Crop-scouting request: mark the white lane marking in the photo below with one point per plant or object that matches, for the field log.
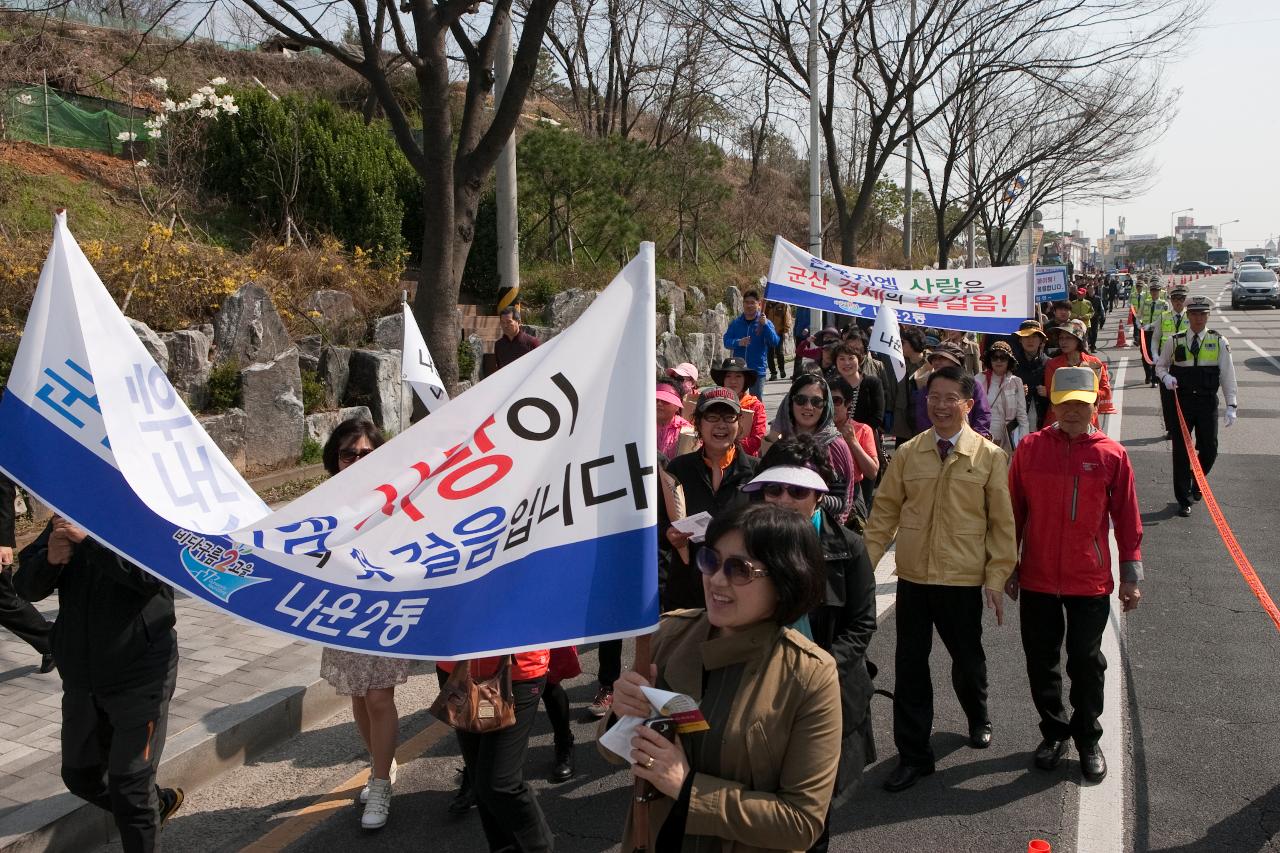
(1260, 351)
(1234, 330)
(885, 579)
(1102, 807)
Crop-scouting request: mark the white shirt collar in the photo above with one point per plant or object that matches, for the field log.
(955, 439)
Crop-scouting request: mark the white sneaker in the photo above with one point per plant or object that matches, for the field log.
(378, 808)
(364, 792)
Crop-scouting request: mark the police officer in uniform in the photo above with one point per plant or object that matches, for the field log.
(1194, 364)
(1150, 306)
(1169, 324)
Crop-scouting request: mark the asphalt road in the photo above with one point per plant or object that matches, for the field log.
(1192, 739)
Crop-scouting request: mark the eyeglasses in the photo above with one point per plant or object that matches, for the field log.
(726, 418)
(737, 570)
(949, 400)
(837, 401)
(350, 456)
(775, 490)
(802, 400)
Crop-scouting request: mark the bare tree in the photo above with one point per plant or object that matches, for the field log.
(454, 154)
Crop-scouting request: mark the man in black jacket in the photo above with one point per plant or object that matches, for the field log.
(16, 614)
(117, 652)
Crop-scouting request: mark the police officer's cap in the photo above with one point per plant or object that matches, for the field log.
(1200, 303)
(1177, 291)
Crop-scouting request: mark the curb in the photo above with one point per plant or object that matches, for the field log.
(224, 740)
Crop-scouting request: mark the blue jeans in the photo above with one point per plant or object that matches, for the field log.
(757, 389)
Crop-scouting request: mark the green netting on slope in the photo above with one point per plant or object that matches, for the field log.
(71, 121)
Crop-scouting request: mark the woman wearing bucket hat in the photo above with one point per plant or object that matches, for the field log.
(734, 375)
(1071, 342)
(1005, 394)
(1029, 348)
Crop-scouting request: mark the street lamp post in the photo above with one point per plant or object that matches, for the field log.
(1172, 229)
(1219, 229)
(815, 148)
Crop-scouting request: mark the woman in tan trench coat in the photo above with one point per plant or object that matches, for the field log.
(761, 778)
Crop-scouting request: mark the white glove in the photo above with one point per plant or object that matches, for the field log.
(1231, 415)
(1170, 381)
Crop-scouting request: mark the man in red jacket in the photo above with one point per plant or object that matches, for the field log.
(1069, 484)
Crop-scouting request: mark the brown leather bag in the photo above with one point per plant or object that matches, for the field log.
(474, 706)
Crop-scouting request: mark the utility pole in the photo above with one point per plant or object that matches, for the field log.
(508, 227)
(815, 147)
(911, 140)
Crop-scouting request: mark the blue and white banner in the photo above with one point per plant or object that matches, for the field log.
(987, 299)
(1051, 284)
(519, 517)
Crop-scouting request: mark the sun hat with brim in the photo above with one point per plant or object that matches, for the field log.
(1075, 329)
(1074, 383)
(788, 475)
(718, 397)
(1029, 328)
(949, 351)
(733, 365)
(668, 394)
(1000, 348)
(684, 370)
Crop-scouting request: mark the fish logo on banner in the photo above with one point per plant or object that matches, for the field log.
(418, 368)
(530, 500)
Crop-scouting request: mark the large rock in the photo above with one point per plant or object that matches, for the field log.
(568, 306)
(670, 351)
(320, 426)
(375, 382)
(335, 312)
(476, 345)
(273, 410)
(310, 346)
(695, 299)
(227, 431)
(673, 293)
(154, 345)
(248, 329)
(733, 296)
(189, 366)
(388, 332)
(333, 370)
(714, 321)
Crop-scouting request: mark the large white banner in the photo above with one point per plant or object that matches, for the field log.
(519, 516)
(418, 368)
(986, 299)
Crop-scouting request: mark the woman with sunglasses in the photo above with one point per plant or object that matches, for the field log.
(807, 410)
(761, 777)
(370, 680)
(1005, 394)
(794, 475)
(711, 477)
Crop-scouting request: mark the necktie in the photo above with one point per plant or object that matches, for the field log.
(944, 447)
(1195, 344)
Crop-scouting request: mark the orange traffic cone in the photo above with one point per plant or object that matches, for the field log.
(1039, 845)
(1121, 340)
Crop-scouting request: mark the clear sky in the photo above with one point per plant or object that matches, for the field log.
(1219, 154)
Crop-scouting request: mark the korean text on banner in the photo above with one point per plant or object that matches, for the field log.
(886, 338)
(521, 516)
(989, 299)
(418, 368)
(1051, 284)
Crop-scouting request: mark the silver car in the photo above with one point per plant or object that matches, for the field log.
(1255, 287)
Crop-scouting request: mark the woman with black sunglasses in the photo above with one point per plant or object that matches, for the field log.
(794, 475)
(761, 777)
(807, 410)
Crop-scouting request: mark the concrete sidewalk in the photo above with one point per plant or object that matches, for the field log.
(240, 690)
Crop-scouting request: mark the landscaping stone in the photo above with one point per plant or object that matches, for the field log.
(227, 431)
(273, 407)
(154, 345)
(388, 332)
(332, 371)
(335, 312)
(248, 330)
(189, 366)
(320, 426)
(567, 306)
(733, 296)
(375, 382)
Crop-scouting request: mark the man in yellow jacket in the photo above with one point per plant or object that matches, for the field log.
(945, 497)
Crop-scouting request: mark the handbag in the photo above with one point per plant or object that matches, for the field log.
(474, 706)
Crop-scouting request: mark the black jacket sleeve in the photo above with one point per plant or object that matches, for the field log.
(36, 579)
(117, 568)
(849, 647)
(7, 495)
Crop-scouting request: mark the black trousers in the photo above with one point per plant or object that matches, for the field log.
(509, 811)
(956, 612)
(777, 357)
(1201, 413)
(1167, 410)
(111, 745)
(20, 617)
(610, 653)
(1045, 621)
(556, 701)
(1149, 370)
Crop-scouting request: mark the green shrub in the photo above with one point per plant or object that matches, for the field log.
(8, 352)
(312, 392)
(224, 387)
(466, 360)
(312, 450)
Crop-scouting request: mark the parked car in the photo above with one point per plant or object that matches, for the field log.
(1255, 287)
(1193, 267)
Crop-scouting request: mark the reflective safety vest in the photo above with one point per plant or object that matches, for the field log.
(1151, 309)
(1197, 372)
(1170, 324)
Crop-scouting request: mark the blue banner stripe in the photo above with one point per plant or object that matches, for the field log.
(586, 591)
(942, 320)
